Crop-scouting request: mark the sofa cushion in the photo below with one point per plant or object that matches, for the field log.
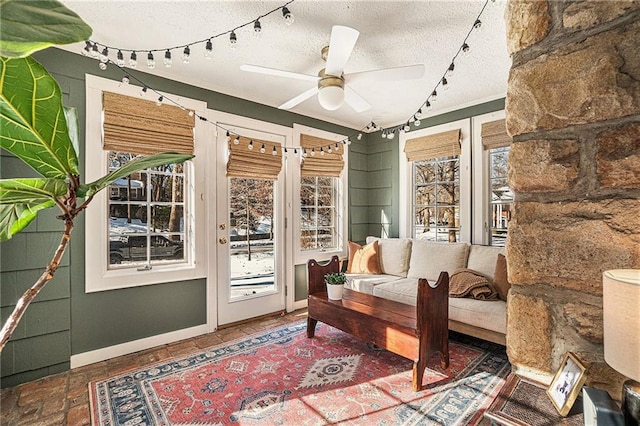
(394, 255)
(366, 283)
(429, 258)
(483, 259)
(487, 314)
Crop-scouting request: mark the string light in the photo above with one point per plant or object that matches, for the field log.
(465, 49)
(233, 39)
(104, 56)
(208, 50)
(321, 151)
(236, 141)
(120, 58)
(228, 136)
(250, 145)
(275, 151)
(125, 79)
(133, 60)
(450, 70)
(186, 54)
(151, 62)
(262, 149)
(257, 28)
(445, 83)
(143, 91)
(167, 59)
(477, 24)
(94, 51)
(287, 15)
(102, 65)
(313, 152)
(86, 51)
(159, 101)
(434, 96)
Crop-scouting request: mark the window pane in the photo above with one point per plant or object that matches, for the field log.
(501, 196)
(425, 195)
(424, 172)
(167, 188)
(127, 219)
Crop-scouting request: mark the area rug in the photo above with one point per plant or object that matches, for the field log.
(281, 377)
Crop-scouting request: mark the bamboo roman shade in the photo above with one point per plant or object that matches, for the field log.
(251, 163)
(328, 164)
(139, 126)
(445, 144)
(494, 135)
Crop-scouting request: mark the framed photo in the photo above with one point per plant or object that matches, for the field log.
(567, 383)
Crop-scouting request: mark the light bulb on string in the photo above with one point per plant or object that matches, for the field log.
(102, 65)
(186, 54)
(250, 146)
(418, 114)
(190, 113)
(348, 142)
(262, 149)
(434, 96)
(450, 70)
(391, 134)
(329, 149)
(125, 79)
(465, 49)
(104, 56)
(295, 151)
(383, 134)
(86, 51)
(228, 137)
(233, 40)
(321, 151)
(416, 122)
(257, 28)
(236, 140)
(143, 91)
(406, 127)
(208, 50)
(160, 99)
(445, 83)
(151, 62)
(94, 51)
(477, 25)
(313, 152)
(133, 60)
(338, 146)
(274, 151)
(287, 15)
(167, 59)
(120, 58)
(428, 106)
(359, 136)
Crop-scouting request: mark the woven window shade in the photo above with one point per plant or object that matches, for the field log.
(446, 144)
(494, 135)
(251, 163)
(329, 164)
(139, 126)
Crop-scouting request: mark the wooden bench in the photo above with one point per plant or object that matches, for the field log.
(414, 332)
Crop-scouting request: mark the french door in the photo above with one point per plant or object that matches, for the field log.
(249, 233)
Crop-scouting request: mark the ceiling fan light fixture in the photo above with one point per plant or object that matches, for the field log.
(331, 97)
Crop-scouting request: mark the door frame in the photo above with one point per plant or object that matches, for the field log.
(215, 117)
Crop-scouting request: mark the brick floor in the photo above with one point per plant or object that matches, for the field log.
(63, 399)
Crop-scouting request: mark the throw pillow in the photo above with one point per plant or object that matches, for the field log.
(500, 281)
(363, 259)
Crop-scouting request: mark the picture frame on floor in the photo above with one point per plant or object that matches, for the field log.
(567, 383)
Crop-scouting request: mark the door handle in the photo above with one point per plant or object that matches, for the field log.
(222, 240)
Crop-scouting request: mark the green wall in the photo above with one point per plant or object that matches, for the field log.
(64, 320)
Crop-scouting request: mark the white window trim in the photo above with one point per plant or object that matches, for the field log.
(302, 256)
(405, 173)
(481, 178)
(97, 276)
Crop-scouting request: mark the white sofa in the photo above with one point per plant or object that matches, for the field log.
(404, 260)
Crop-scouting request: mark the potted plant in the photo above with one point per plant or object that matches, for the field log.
(335, 285)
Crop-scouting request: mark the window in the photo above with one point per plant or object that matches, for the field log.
(436, 199)
(318, 213)
(320, 200)
(146, 215)
(140, 230)
(501, 196)
(435, 183)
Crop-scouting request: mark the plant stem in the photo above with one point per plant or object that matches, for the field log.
(28, 296)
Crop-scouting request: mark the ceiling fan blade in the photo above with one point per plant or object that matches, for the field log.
(343, 40)
(301, 97)
(411, 72)
(278, 73)
(354, 100)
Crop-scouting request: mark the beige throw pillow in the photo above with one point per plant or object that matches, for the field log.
(500, 281)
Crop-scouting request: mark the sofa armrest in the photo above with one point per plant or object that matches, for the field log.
(316, 273)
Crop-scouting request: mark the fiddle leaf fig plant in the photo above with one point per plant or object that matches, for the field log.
(34, 128)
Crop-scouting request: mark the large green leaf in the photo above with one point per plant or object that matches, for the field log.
(136, 165)
(28, 26)
(14, 191)
(32, 121)
(15, 217)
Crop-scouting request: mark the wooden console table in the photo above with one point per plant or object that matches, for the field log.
(414, 332)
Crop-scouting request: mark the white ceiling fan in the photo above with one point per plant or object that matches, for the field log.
(332, 85)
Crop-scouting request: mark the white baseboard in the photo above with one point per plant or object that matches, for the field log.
(102, 354)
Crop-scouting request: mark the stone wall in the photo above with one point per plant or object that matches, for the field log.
(573, 110)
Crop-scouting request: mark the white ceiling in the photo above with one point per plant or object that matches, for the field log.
(392, 34)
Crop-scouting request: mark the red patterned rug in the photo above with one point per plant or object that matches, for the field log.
(281, 377)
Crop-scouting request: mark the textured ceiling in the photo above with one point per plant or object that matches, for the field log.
(392, 34)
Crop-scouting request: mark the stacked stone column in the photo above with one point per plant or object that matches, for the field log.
(573, 110)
